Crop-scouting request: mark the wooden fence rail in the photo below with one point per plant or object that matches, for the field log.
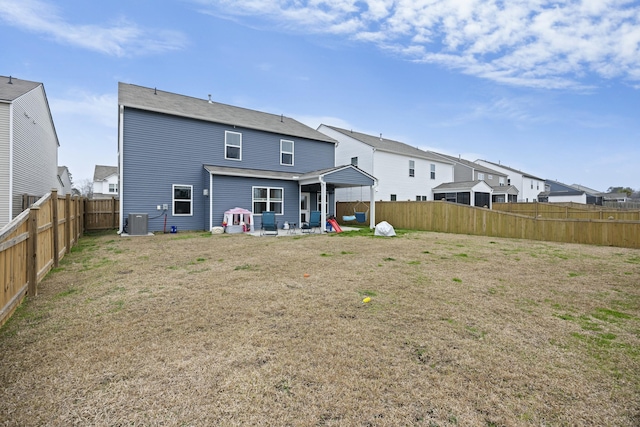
(101, 214)
(455, 218)
(567, 211)
(33, 243)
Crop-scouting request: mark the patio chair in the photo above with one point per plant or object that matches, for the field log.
(269, 225)
(313, 224)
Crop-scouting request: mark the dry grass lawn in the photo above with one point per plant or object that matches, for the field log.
(194, 329)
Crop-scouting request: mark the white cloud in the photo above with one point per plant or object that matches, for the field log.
(97, 109)
(536, 43)
(121, 38)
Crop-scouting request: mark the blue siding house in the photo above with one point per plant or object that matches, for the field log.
(184, 161)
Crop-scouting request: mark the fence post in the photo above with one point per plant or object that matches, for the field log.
(82, 210)
(32, 252)
(67, 223)
(76, 221)
(56, 232)
(113, 212)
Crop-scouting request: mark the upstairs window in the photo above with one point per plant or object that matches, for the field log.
(354, 161)
(480, 176)
(490, 177)
(232, 145)
(268, 199)
(113, 188)
(286, 152)
(433, 171)
(182, 200)
(412, 168)
(501, 180)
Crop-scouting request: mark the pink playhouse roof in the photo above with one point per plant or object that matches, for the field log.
(238, 211)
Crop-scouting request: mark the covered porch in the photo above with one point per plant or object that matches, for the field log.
(227, 187)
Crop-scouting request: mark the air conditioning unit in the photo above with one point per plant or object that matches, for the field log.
(138, 224)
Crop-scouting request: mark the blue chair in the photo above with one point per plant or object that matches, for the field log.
(269, 225)
(313, 224)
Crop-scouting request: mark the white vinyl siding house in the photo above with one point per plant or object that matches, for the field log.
(64, 181)
(28, 145)
(403, 172)
(105, 182)
(529, 186)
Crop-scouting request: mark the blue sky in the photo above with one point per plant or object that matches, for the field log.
(548, 87)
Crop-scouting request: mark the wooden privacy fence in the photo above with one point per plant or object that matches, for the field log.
(33, 243)
(449, 217)
(101, 214)
(566, 211)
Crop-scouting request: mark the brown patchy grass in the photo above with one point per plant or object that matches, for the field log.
(194, 329)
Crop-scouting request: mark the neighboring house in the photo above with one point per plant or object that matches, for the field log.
(64, 181)
(105, 182)
(28, 145)
(594, 197)
(557, 192)
(615, 197)
(467, 171)
(403, 172)
(472, 193)
(188, 160)
(529, 186)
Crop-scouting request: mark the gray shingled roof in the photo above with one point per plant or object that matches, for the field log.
(10, 91)
(468, 163)
(180, 105)
(585, 189)
(514, 170)
(506, 189)
(103, 172)
(460, 185)
(388, 145)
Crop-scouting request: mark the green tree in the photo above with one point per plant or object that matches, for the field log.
(628, 190)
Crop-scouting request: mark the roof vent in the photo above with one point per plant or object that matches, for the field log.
(210, 102)
(380, 137)
(155, 91)
(10, 82)
(281, 117)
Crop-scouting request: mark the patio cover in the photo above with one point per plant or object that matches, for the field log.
(338, 176)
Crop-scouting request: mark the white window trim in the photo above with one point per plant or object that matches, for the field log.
(432, 170)
(286, 152)
(253, 200)
(173, 200)
(480, 176)
(412, 168)
(227, 132)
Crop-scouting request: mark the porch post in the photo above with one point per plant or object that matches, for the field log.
(372, 207)
(323, 208)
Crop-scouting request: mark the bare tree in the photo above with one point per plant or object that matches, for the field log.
(85, 187)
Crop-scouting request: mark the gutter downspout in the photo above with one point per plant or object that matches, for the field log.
(10, 217)
(211, 201)
(120, 163)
